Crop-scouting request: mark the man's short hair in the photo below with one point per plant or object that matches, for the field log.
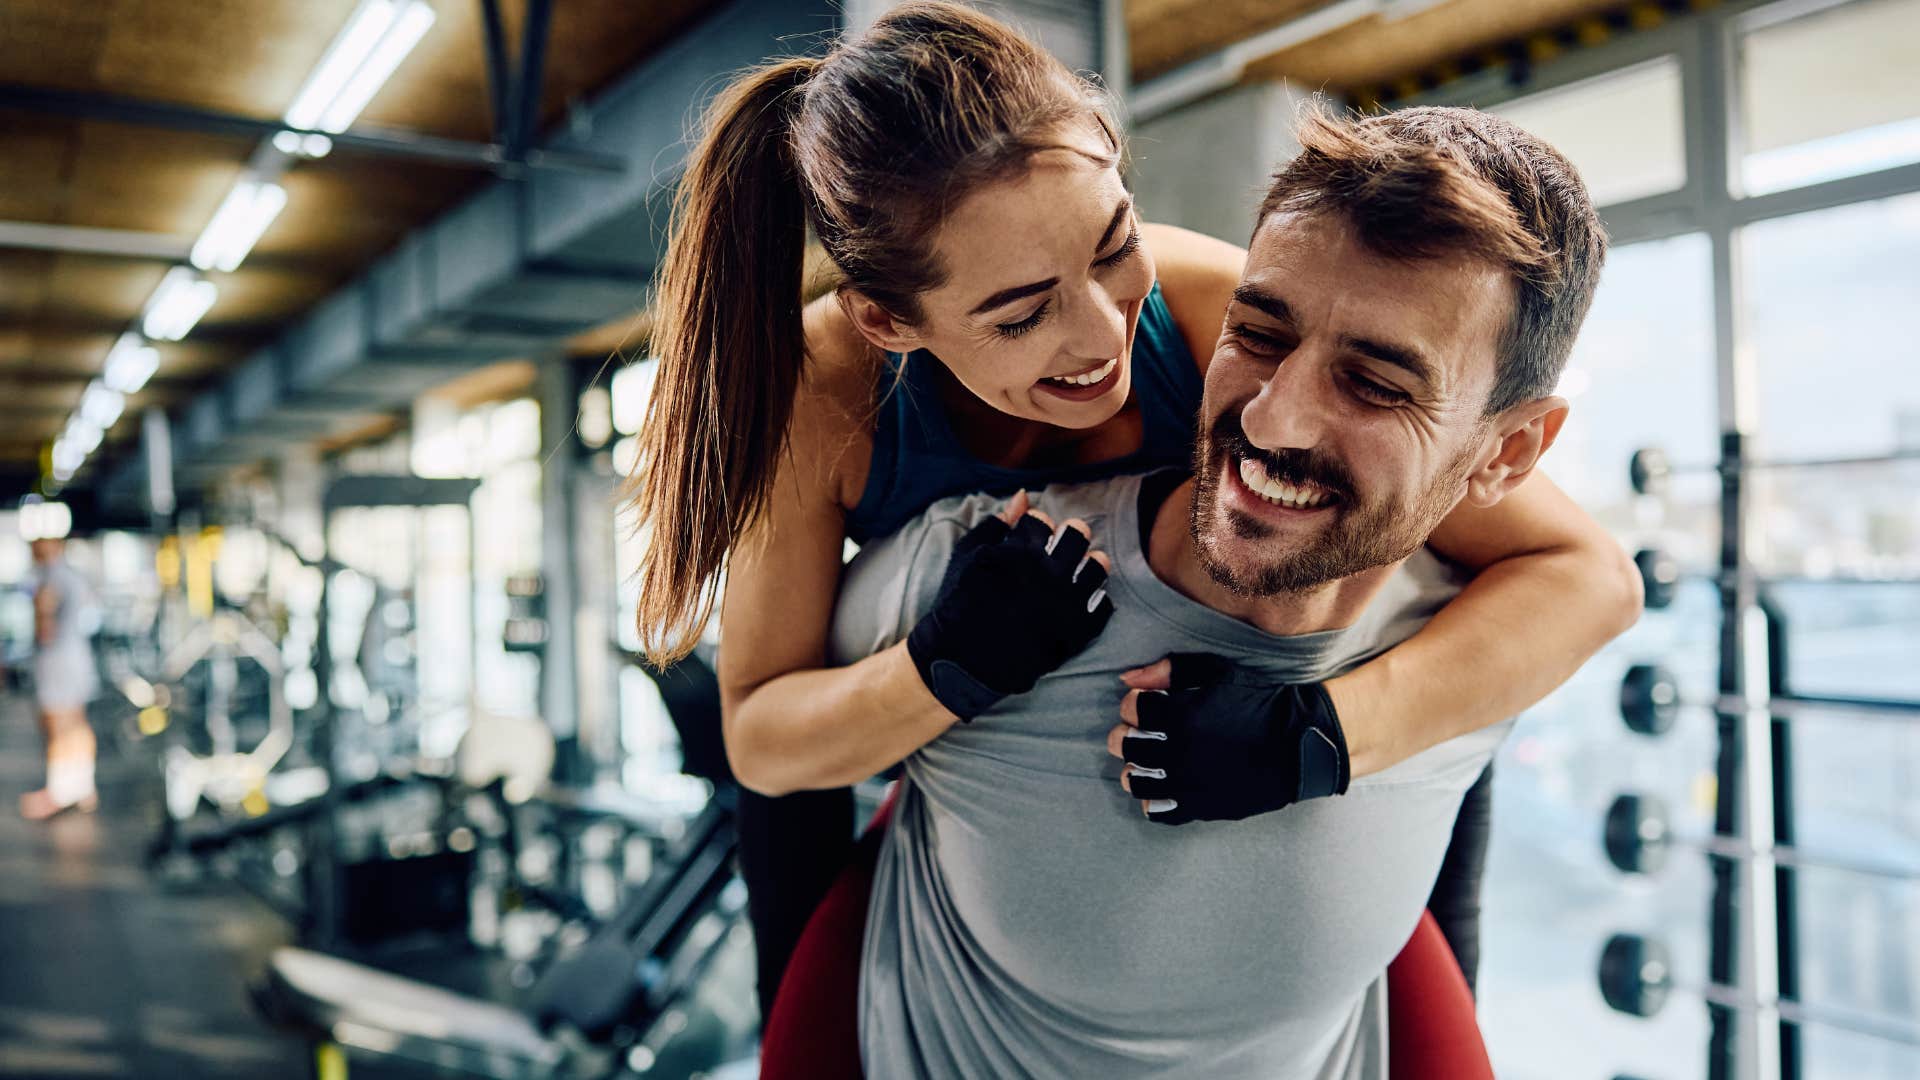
(1429, 182)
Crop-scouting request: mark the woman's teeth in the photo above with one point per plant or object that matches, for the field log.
(1088, 379)
(1254, 475)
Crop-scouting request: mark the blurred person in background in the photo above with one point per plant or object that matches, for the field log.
(64, 682)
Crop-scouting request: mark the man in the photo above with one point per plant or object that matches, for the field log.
(1410, 298)
(64, 682)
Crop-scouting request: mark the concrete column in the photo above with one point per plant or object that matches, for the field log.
(559, 674)
(1206, 167)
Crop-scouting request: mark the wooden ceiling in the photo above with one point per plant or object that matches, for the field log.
(59, 313)
(1164, 34)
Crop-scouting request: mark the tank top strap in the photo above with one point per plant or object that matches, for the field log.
(918, 459)
(1166, 380)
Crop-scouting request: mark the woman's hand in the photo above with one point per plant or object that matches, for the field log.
(1019, 598)
(1203, 742)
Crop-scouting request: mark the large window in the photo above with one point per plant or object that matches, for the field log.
(1828, 90)
(1621, 130)
(1814, 283)
(1642, 375)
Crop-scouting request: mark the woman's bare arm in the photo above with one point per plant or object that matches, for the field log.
(1551, 588)
(791, 723)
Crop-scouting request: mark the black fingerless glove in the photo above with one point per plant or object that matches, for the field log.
(1016, 603)
(1223, 747)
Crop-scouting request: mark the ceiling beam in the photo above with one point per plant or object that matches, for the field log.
(81, 240)
(378, 140)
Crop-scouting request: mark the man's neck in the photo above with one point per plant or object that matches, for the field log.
(1171, 555)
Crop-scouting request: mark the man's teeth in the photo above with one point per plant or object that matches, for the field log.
(1096, 375)
(1254, 475)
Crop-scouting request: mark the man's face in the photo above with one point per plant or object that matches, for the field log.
(1343, 406)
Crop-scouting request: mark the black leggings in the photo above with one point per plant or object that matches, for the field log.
(792, 848)
(1455, 902)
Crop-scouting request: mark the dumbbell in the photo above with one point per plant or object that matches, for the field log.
(1650, 471)
(1649, 699)
(1659, 577)
(1636, 978)
(1639, 836)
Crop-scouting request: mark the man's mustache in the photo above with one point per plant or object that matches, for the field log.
(1296, 467)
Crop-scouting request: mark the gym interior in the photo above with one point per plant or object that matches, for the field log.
(326, 358)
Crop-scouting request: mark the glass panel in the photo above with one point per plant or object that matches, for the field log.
(1831, 1054)
(1860, 952)
(1827, 312)
(1642, 374)
(1829, 94)
(1851, 640)
(1623, 130)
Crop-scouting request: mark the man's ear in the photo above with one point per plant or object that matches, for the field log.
(1521, 435)
(879, 326)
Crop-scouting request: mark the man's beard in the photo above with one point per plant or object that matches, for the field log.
(1361, 536)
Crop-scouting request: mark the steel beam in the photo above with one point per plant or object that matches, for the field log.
(392, 142)
(531, 76)
(80, 240)
(499, 75)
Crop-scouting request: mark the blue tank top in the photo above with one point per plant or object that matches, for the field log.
(917, 459)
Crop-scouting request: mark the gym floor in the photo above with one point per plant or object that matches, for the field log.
(104, 970)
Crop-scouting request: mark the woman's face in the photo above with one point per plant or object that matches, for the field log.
(1045, 275)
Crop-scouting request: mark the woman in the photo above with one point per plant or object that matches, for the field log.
(1003, 321)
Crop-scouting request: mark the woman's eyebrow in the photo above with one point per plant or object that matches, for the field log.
(1119, 215)
(1033, 288)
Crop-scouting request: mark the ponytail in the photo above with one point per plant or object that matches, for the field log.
(731, 345)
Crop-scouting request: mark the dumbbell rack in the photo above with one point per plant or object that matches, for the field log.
(1753, 992)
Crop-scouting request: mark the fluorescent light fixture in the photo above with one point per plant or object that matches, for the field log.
(177, 305)
(287, 143)
(67, 457)
(377, 37)
(130, 363)
(316, 146)
(245, 213)
(83, 435)
(101, 405)
(412, 25)
(45, 521)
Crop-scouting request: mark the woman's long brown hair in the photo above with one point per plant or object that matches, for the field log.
(868, 144)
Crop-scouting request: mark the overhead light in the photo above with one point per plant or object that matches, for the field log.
(67, 458)
(130, 364)
(316, 146)
(100, 405)
(183, 297)
(286, 142)
(245, 214)
(83, 435)
(45, 521)
(377, 37)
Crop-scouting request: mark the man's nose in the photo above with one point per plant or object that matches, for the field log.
(1290, 411)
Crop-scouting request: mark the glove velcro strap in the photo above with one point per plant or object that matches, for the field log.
(1322, 746)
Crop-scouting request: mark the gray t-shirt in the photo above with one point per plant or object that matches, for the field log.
(1026, 920)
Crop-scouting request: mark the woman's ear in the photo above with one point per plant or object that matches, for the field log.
(878, 325)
